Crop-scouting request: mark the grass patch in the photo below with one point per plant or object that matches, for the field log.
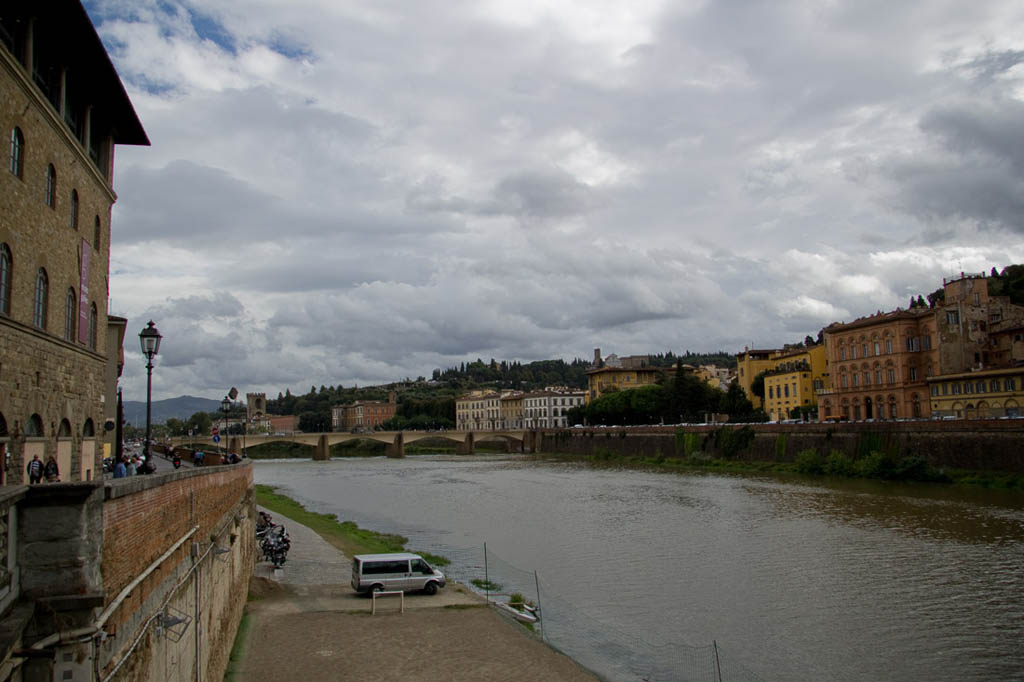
(345, 535)
(235, 657)
(486, 585)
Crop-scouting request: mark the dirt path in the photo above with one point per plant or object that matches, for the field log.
(307, 624)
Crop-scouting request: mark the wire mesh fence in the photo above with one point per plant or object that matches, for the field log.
(606, 649)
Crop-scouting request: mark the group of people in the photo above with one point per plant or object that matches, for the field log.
(37, 470)
(133, 465)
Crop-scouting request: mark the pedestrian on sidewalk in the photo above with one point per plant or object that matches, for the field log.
(35, 470)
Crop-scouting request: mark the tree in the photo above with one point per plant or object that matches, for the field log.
(757, 385)
(200, 423)
(176, 427)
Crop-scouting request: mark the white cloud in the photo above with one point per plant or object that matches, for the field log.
(355, 192)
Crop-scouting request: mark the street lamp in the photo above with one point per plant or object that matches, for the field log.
(149, 339)
(225, 405)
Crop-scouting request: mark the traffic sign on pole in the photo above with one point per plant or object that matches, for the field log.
(214, 431)
(216, 438)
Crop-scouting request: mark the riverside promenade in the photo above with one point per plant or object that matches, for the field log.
(306, 623)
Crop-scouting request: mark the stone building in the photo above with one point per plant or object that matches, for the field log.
(62, 110)
(549, 409)
(363, 414)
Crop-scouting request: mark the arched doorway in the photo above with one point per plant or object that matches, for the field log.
(868, 405)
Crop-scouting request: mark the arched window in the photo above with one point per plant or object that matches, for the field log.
(3, 426)
(42, 294)
(74, 209)
(34, 426)
(88, 429)
(70, 316)
(5, 279)
(92, 326)
(65, 429)
(96, 234)
(51, 186)
(17, 152)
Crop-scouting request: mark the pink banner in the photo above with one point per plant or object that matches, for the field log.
(83, 295)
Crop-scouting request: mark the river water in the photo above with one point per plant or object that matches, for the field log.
(640, 571)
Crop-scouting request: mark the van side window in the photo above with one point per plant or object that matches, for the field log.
(384, 567)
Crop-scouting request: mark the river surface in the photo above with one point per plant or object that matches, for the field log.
(640, 571)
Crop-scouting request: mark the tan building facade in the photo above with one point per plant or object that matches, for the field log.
(988, 394)
(880, 366)
(62, 110)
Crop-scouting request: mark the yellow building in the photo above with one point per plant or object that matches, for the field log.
(511, 411)
(986, 394)
(604, 380)
(749, 364)
(797, 376)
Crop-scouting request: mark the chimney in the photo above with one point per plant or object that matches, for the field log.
(597, 357)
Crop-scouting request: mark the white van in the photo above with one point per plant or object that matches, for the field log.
(406, 572)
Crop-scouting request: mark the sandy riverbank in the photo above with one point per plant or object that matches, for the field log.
(307, 624)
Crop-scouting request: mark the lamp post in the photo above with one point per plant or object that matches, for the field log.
(149, 339)
(226, 405)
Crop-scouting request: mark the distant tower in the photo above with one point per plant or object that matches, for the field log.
(255, 406)
(597, 357)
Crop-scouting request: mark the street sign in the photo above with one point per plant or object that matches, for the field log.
(214, 431)
(216, 438)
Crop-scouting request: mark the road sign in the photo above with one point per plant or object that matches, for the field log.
(214, 431)
(216, 438)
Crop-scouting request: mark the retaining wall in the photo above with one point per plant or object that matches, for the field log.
(992, 445)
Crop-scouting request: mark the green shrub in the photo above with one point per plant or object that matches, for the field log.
(876, 465)
(487, 585)
(780, 447)
(838, 464)
(809, 462)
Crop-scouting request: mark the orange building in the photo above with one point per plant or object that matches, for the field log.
(880, 366)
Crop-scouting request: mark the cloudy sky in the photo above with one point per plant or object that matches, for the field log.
(346, 192)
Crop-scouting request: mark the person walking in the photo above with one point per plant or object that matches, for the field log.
(51, 471)
(35, 470)
(120, 470)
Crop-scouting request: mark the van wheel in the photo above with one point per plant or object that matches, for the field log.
(430, 588)
(377, 588)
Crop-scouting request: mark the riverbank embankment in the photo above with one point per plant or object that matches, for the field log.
(307, 623)
(978, 445)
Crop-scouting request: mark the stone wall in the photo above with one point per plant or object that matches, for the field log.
(44, 373)
(993, 445)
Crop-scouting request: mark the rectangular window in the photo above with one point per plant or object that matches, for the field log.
(888, 346)
(913, 373)
(980, 386)
(843, 381)
(856, 380)
(967, 387)
(892, 375)
(853, 352)
(842, 352)
(878, 376)
(926, 342)
(786, 388)
(952, 317)
(878, 348)
(935, 389)
(867, 378)
(994, 386)
(771, 392)
(865, 348)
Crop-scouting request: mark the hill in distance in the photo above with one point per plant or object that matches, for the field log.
(181, 407)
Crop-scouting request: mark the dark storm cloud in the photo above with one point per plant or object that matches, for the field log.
(976, 172)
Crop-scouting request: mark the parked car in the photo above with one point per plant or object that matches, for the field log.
(394, 572)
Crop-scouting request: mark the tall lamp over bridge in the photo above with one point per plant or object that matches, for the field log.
(226, 405)
(149, 339)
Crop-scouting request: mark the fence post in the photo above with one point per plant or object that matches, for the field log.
(718, 666)
(540, 611)
(487, 577)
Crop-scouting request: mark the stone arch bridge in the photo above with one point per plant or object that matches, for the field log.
(465, 441)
